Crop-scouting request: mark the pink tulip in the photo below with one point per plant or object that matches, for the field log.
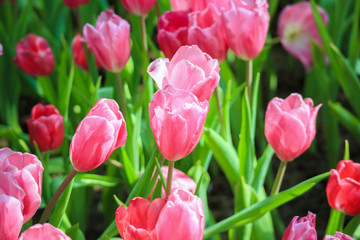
(221, 5)
(246, 25)
(190, 69)
(206, 31)
(290, 125)
(109, 41)
(46, 127)
(177, 119)
(343, 187)
(1, 49)
(138, 7)
(338, 236)
(297, 29)
(181, 5)
(11, 218)
(172, 31)
(45, 231)
(79, 52)
(34, 56)
(179, 217)
(302, 229)
(101, 131)
(75, 3)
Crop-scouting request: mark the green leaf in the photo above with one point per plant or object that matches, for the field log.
(335, 223)
(354, 44)
(75, 233)
(47, 89)
(352, 225)
(85, 180)
(262, 168)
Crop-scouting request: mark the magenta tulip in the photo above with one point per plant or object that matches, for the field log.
(179, 217)
(101, 131)
(290, 125)
(34, 56)
(1, 49)
(109, 41)
(338, 236)
(190, 69)
(46, 127)
(45, 231)
(302, 229)
(138, 7)
(75, 3)
(11, 218)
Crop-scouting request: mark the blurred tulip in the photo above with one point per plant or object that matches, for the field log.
(338, 236)
(138, 7)
(290, 125)
(78, 51)
(11, 218)
(181, 5)
(199, 5)
(75, 3)
(206, 31)
(177, 119)
(297, 29)
(109, 41)
(46, 127)
(34, 56)
(172, 31)
(246, 25)
(302, 229)
(101, 131)
(1, 49)
(343, 188)
(190, 69)
(45, 231)
(179, 217)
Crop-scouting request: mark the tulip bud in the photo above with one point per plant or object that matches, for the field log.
(304, 228)
(79, 52)
(101, 131)
(138, 7)
(109, 41)
(177, 119)
(343, 187)
(75, 3)
(172, 31)
(290, 125)
(338, 236)
(46, 127)
(11, 218)
(297, 29)
(45, 231)
(190, 69)
(34, 56)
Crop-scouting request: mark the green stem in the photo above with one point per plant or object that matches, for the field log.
(157, 9)
(279, 177)
(56, 196)
(169, 178)
(220, 112)
(123, 107)
(143, 33)
(249, 70)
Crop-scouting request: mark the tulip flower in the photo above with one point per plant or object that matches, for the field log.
(290, 125)
(45, 231)
(138, 7)
(1, 49)
(246, 25)
(297, 29)
(343, 187)
(75, 3)
(172, 31)
(181, 5)
(101, 131)
(177, 119)
(109, 41)
(79, 52)
(302, 229)
(338, 236)
(206, 31)
(179, 217)
(190, 69)
(11, 218)
(34, 56)
(46, 127)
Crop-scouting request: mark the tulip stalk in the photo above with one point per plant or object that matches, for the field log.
(121, 92)
(169, 178)
(279, 177)
(249, 73)
(220, 111)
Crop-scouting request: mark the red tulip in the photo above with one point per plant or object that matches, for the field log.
(34, 56)
(79, 52)
(172, 31)
(75, 3)
(11, 218)
(343, 187)
(190, 69)
(45, 231)
(290, 125)
(46, 127)
(179, 217)
(338, 236)
(101, 131)
(302, 229)
(138, 7)
(297, 29)
(109, 41)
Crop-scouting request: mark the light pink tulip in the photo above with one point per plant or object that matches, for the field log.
(297, 28)
(246, 25)
(206, 31)
(181, 5)
(1, 49)
(109, 41)
(338, 236)
(11, 218)
(138, 7)
(101, 131)
(45, 231)
(290, 125)
(190, 69)
(75, 3)
(179, 217)
(199, 5)
(302, 229)
(177, 119)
